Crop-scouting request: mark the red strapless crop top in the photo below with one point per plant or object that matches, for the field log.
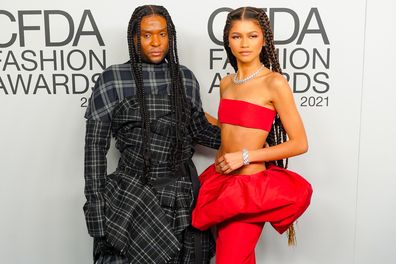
(242, 113)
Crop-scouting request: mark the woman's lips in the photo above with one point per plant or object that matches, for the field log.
(245, 53)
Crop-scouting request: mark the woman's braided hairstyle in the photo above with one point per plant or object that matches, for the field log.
(269, 58)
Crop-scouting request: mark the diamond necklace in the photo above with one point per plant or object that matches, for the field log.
(251, 76)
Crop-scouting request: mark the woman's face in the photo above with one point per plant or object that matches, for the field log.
(246, 40)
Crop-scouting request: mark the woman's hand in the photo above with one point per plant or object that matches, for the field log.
(229, 162)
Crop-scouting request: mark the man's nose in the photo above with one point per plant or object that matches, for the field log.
(155, 41)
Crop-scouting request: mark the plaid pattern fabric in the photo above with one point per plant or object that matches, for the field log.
(135, 221)
(97, 143)
(112, 259)
(187, 255)
(146, 225)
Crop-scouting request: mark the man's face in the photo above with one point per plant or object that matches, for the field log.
(154, 38)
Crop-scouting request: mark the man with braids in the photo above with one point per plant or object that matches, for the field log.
(249, 185)
(141, 213)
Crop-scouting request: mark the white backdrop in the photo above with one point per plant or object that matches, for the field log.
(340, 60)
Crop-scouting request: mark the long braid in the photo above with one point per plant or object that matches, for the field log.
(136, 65)
(230, 56)
(180, 101)
(179, 106)
(269, 58)
(277, 132)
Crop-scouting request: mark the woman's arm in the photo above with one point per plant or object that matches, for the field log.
(225, 82)
(283, 101)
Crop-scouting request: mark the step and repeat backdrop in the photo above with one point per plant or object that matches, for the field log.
(337, 57)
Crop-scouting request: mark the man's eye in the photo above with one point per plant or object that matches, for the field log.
(235, 37)
(146, 35)
(163, 34)
(253, 36)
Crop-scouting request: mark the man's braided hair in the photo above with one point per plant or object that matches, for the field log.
(180, 107)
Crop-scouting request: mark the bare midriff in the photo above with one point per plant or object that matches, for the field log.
(235, 138)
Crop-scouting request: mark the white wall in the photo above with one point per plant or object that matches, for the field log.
(349, 162)
(375, 219)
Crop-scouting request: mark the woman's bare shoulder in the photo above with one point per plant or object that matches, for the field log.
(275, 79)
(276, 82)
(225, 82)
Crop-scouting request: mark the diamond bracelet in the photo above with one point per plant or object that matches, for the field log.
(245, 156)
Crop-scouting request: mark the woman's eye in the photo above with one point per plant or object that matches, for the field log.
(235, 37)
(146, 35)
(253, 36)
(163, 34)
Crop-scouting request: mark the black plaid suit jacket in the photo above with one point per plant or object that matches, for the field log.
(145, 224)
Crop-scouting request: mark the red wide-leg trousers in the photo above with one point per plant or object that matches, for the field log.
(236, 242)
